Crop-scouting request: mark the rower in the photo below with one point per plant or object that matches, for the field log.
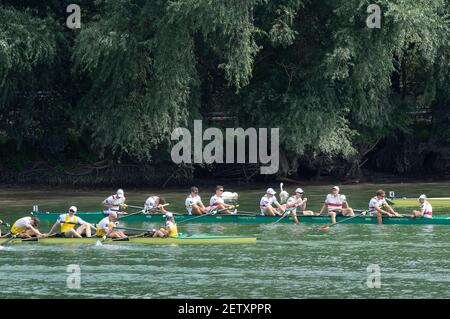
(153, 203)
(26, 227)
(297, 202)
(106, 227)
(377, 203)
(217, 202)
(194, 204)
(115, 203)
(337, 205)
(68, 221)
(267, 203)
(426, 210)
(171, 229)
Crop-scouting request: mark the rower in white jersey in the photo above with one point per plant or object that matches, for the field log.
(115, 203)
(216, 203)
(426, 210)
(193, 203)
(153, 203)
(106, 227)
(68, 221)
(269, 206)
(378, 206)
(336, 205)
(26, 227)
(296, 205)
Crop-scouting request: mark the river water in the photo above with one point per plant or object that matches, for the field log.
(288, 261)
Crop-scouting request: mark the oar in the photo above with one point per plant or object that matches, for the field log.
(142, 211)
(207, 214)
(342, 221)
(135, 206)
(8, 240)
(284, 215)
(135, 213)
(136, 229)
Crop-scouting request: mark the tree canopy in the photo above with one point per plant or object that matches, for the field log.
(339, 91)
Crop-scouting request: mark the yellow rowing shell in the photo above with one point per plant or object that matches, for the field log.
(180, 240)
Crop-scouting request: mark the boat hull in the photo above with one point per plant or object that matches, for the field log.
(94, 217)
(180, 240)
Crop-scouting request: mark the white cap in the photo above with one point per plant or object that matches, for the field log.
(120, 192)
(113, 215)
(168, 215)
(270, 191)
(423, 196)
(336, 188)
(73, 208)
(299, 190)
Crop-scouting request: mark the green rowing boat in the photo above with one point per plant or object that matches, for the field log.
(437, 202)
(95, 217)
(179, 240)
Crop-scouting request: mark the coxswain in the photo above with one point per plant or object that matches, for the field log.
(336, 205)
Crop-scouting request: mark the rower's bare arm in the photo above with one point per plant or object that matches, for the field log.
(322, 208)
(35, 230)
(106, 204)
(53, 228)
(389, 208)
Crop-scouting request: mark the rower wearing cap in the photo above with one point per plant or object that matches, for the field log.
(26, 227)
(426, 210)
(337, 205)
(378, 206)
(194, 204)
(171, 229)
(106, 227)
(115, 203)
(153, 203)
(296, 205)
(217, 202)
(267, 203)
(68, 221)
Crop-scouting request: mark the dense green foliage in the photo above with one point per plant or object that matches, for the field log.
(339, 91)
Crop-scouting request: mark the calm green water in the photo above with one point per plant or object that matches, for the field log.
(288, 261)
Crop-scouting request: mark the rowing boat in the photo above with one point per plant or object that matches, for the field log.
(94, 217)
(437, 202)
(179, 240)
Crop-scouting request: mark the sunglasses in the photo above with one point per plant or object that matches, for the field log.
(220, 190)
(72, 211)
